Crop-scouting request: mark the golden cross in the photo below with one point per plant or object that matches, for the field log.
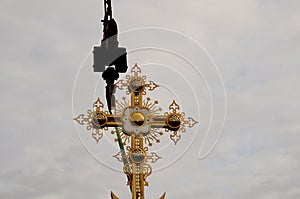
(140, 120)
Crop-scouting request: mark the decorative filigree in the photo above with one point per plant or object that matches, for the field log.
(146, 170)
(97, 135)
(98, 104)
(121, 84)
(93, 120)
(175, 137)
(136, 71)
(136, 82)
(140, 154)
(187, 122)
(190, 122)
(125, 138)
(128, 170)
(174, 107)
(177, 122)
(85, 119)
(119, 156)
(153, 157)
(81, 119)
(122, 105)
(137, 164)
(153, 136)
(155, 110)
(151, 85)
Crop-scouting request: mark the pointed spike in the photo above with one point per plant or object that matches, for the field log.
(113, 196)
(163, 196)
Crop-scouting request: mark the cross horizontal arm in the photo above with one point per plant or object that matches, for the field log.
(116, 121)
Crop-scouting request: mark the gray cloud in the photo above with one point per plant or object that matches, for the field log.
(255, 44)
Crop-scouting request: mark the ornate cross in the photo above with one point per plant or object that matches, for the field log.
(139, 122)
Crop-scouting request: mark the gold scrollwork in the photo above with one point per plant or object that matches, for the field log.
(177, 122)
(136, 82)
(94, 120)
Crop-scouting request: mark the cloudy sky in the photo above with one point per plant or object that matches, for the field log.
(255, 45)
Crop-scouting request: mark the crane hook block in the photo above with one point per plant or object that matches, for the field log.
(109, 53)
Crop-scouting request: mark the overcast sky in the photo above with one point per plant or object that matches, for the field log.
(254, 43)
